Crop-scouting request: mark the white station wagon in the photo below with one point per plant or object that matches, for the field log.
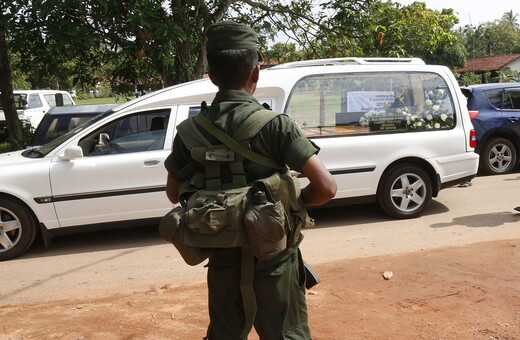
(391, 131)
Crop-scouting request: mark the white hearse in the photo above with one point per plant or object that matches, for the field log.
(391, 131)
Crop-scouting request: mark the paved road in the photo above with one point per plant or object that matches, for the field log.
(136, 260)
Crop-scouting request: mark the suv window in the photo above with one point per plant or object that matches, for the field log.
(514, 96)
(35, 101)
(346, 104)
(51, 99)
(504, 99)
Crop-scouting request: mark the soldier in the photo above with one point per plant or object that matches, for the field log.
(279, 283)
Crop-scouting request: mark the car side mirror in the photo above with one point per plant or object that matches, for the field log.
(104, 139)
(73, 152)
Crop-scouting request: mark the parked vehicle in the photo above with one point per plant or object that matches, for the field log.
(33, 104)
(392, 131)
(61, 119)
(495, 113)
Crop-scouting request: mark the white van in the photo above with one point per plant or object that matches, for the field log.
(391, 131)
(32, 105)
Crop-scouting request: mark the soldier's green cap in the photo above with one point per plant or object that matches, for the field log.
(229, 35)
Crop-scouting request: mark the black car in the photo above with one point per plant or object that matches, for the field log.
(495, 114)
(61, 119)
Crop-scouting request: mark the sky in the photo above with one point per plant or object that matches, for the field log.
(472, 12)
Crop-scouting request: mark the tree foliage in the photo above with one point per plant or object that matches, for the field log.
(127, 41)
(493, 37)
(389, 29)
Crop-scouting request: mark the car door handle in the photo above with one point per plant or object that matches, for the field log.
(513, 119)
(151, 162)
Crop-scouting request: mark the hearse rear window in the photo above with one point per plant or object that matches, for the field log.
(365, 103)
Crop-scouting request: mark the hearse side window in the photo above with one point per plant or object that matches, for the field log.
(193, 111)
(366, 103)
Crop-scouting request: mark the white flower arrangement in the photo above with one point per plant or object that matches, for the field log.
(433, 115)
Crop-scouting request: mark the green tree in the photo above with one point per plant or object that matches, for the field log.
(125, 42)
(14, 125)
(492, 37)
(510, 17)
(389, 29)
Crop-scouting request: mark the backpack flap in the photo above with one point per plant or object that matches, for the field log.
(214, 218)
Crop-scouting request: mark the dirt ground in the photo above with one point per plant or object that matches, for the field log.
(470, 292)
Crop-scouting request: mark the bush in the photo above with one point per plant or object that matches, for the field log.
(5, 147)
(27, 133)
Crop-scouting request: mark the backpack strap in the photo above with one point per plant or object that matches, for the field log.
(191, 135)
(255, 124)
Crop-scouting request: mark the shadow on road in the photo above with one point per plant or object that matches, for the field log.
(98, 241)
(343, 216)
(135, 237)
(495, 219)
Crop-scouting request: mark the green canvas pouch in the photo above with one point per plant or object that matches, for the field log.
(214, 218)
(265, 226)
(171, 230)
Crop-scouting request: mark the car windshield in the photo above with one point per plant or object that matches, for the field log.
(47, 148)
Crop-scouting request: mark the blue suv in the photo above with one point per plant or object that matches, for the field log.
(495, 113)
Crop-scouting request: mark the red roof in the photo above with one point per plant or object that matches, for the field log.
(491, 63)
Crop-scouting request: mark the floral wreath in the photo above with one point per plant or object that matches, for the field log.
(432, 116)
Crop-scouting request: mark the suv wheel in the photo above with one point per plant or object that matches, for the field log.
(498, 157)
(405, 192)
(17, 229)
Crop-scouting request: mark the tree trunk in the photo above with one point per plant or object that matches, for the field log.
(14, 127)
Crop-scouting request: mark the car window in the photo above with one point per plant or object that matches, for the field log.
(35, 101)
(53, 126)
(504, 99)
(513, 98)
(20, 100)
(494, 97)
(51, 99)
(346, 104)
(67, 101)
(138, 132)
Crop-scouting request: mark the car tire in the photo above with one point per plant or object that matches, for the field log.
(17, 229)
(405, 191)
(498, 157)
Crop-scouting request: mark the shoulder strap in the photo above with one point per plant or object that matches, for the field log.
(190, 134)
(233, 144)
(253, 124)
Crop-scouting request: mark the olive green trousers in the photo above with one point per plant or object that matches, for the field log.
(279, 286)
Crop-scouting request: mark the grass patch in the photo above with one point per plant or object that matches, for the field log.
(104, 100)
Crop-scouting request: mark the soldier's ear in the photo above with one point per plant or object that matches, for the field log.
(212, 78)
(255, 74)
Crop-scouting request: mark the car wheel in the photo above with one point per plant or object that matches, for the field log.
(498, 157)
(405, 191)
(17, 229)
